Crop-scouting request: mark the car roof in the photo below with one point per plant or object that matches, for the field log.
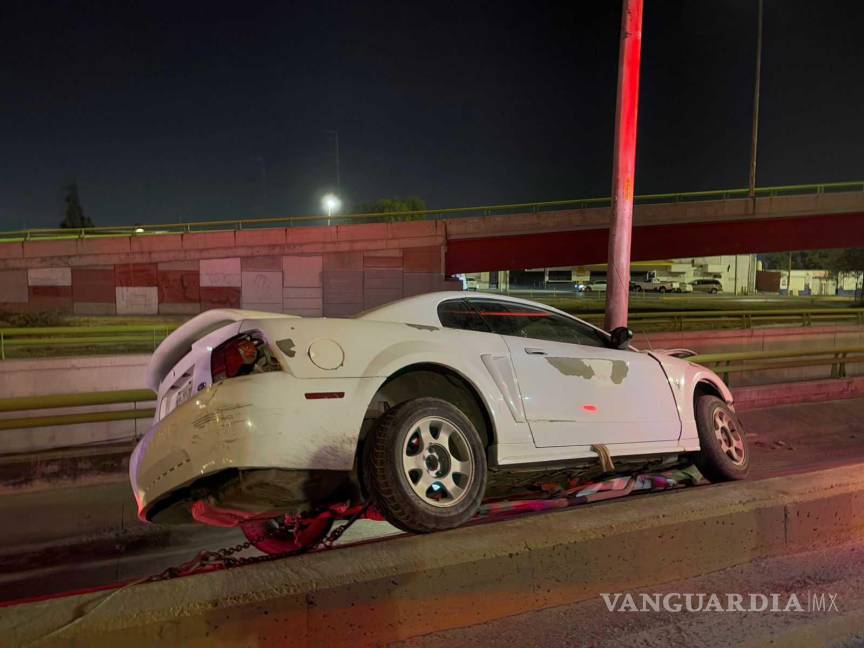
(423, 309)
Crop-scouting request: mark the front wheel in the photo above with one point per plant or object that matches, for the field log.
(723, 454)
(425, 466)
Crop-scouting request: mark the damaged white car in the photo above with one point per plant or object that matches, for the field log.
(414, 410)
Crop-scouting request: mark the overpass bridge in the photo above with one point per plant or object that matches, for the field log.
(304, 266)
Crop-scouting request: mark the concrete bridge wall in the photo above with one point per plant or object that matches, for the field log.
(335, 271)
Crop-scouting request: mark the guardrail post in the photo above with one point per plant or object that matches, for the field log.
(2, 348)
(807, 320)
(154, 339)
(838, 369)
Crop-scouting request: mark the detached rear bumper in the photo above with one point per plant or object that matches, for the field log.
(257, 421)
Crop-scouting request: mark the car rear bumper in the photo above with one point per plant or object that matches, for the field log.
(256, 421)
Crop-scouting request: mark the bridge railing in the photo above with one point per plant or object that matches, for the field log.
(73, 340)
(838, 358)
(31, 234)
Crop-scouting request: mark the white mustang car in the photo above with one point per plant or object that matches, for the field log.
(264, 420)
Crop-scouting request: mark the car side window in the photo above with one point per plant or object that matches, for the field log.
(458, 314)
(507, 318)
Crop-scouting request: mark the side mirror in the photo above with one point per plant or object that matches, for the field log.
(619, 337)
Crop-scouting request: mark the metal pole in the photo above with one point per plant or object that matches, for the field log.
(756, 85)
(624, 166)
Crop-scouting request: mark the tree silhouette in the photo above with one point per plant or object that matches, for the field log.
(75, 218)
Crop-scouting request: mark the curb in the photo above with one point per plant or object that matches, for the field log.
(378, 592)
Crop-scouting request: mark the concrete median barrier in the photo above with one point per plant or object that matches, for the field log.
(373, 593)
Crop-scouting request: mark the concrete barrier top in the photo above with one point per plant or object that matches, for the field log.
(382, 591)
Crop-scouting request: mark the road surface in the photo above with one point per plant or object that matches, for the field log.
(828, 586)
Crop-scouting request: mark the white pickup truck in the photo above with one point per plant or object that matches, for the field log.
(650, 283)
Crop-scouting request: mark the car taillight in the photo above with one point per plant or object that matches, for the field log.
(240, 356)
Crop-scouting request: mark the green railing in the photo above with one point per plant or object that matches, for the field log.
(125, 338)
(742, 319)
(456, 212)
(71, 340)
(838, 358)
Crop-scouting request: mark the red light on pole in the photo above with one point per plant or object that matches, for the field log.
(624, 166)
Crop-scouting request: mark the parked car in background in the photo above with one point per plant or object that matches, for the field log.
(598, 285)
(712, 286)
(273, 422)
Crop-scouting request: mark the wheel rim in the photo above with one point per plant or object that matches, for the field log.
(437, 461)
(729, 437)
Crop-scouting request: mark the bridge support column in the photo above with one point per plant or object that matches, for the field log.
(624, 166)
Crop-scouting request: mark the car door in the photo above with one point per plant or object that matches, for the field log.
(575, 389)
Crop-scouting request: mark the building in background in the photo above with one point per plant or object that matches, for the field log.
(736, 273)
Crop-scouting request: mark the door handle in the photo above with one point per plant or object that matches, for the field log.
(534, 351)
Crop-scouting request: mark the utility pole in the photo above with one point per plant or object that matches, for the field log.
(624, 166)
(754, 141)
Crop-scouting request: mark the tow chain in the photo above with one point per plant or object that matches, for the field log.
(336, 533)
(225, 558)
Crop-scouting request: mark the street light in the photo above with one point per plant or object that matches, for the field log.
(331, 204)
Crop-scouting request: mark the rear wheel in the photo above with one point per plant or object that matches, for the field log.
(425, 466)
(723, 454)
(282, 536)
(661, 289)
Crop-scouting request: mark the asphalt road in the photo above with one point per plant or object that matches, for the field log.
(833, 576)
(38, 558)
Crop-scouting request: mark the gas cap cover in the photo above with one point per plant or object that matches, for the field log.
(326, 354)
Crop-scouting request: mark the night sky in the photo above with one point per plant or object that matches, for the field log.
(169, 111)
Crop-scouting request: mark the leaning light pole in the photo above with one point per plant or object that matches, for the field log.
(624, 166)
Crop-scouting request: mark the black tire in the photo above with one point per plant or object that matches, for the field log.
(392, 487)
(713, 291)
(661, 289)
(588, 289)
(715, 463)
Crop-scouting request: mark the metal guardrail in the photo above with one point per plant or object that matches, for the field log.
(126, 396)
(136, 336)
(835, 357)
(485, 210)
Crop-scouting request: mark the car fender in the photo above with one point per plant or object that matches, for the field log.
(684, 377)
(470, 367)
